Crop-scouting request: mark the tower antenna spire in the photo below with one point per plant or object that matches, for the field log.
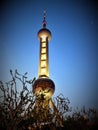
(44, 87)
(44, 20)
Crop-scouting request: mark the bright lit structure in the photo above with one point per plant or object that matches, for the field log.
(44, 87)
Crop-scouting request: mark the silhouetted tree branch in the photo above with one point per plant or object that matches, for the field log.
(19, 110)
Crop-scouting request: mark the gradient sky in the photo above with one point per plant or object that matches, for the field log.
(72, 49)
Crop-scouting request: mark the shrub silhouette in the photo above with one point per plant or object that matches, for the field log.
(18, 111)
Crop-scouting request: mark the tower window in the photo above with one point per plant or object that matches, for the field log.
(43, 50)
(43, 57)
(44, 44)
(43, 63)
(43, 71)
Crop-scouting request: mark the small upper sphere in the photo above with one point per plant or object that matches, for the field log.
(44, 33)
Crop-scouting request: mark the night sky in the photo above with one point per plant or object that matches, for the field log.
(72, 49)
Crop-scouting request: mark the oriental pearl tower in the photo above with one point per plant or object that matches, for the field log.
(44, 87)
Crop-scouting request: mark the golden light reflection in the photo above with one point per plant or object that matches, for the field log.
(43, 71)
(44, 44)
(43, 57)
(43, 63)
(43, 50)
(43, 38)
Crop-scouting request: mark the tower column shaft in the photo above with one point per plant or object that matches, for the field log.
(44, 87)
(43, 60)
(56, 113)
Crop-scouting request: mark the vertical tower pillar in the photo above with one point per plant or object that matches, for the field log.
(44, 36)
(44, 87)
(43, 60)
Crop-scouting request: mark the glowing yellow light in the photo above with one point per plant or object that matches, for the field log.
(43, 57)
(43, 63)
(44, 44)
(43, 71)
(43, 38)
(43, 50)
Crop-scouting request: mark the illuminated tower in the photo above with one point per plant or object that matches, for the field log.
(44, 87)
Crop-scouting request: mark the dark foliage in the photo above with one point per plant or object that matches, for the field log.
(19, 112)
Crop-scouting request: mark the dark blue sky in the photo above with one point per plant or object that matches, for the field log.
(72, 49)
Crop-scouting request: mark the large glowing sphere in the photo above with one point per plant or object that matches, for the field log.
(44, 86)
(44, 33)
